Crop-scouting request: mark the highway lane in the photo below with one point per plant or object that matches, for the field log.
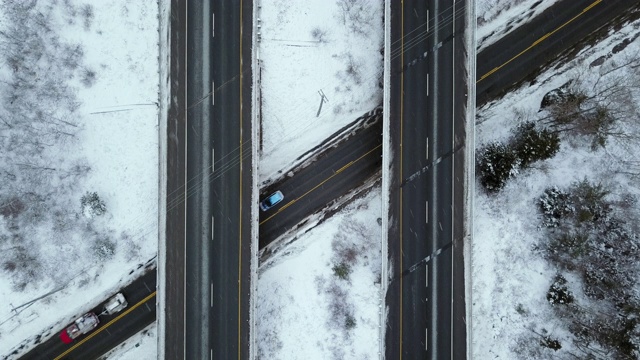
(420, 295)
(218, 240)
(171, 246)
(229, 233)
(198, 245)
(520, 53)
(113, 329)
(333, 174)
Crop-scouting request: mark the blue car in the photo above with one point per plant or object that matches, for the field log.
(271, 201)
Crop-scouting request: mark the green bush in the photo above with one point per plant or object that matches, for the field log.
(342, 271)
(495, 165)
(532, 144)
(559, 293)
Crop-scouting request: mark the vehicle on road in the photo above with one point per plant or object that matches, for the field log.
(115, 304)
(271, 201)
(81, 326)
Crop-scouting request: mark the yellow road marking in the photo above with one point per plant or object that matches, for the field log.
(537, 42)
(105, 326)
(320, 184)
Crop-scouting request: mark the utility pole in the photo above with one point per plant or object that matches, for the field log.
(323, 99)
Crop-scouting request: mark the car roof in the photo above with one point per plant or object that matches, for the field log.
(276, 195)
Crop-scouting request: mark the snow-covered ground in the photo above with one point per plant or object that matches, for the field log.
(117, 118)
(309, 48)
(510, 279)
(324, 291)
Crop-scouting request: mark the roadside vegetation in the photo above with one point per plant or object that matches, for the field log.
(587, 229)
(45, 221)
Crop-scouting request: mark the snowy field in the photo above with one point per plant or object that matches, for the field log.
(511, 278)
(307, 48)
(323, 291)
(102, 61)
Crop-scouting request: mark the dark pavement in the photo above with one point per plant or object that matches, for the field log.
(518, 55)
(334, 173)
(427, 116)
(231, 186)
(112, 330)
(172, 290)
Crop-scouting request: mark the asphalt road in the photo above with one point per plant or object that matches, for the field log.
(171, 298)
(227, 310)
(427, 113)
(198, 261)
(519, 54)
(208, 246)
(333, 174)
(112, 330)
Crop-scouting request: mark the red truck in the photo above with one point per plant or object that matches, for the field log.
(82, 325)
(90, 321)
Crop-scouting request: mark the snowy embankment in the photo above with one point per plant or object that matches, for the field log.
(99, 66)
(512, 316)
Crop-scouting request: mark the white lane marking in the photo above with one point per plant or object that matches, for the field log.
(213, 27)
(213, 93)
(426, 217)
(427, 84)
(427, 20)
(426, 271)
(213, 222)
(211, 294)
(213, 160)
(427, 148)
(426, 339)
